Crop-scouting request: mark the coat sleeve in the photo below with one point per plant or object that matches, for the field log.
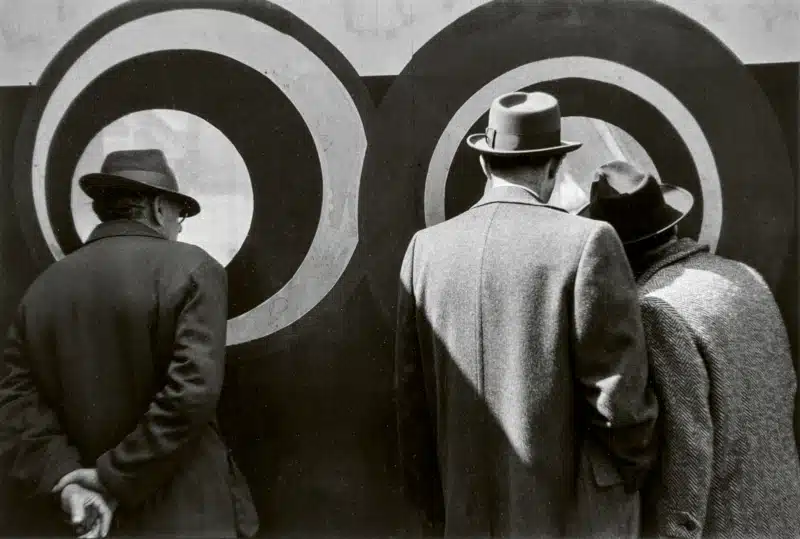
(186, 404)
(681, 486)
(610, 358)
(415, 431)
(31, 437)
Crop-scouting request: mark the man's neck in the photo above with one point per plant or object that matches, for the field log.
(499, 182)
(642, 258)
(152, 226)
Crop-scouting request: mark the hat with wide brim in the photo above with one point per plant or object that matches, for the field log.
(139, 171)
(523, 123)
(479, 141)
(637, 205)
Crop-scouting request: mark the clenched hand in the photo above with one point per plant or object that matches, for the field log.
(90, 513)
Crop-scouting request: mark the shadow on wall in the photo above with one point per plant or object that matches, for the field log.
(309, 415)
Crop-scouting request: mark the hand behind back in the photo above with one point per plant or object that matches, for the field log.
(90, 512)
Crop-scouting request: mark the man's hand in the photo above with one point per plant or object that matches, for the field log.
(85, 477)
(89, 512)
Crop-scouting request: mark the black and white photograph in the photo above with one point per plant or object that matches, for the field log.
(399, 269)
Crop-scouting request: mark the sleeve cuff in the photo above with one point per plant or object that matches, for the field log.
(111, 479)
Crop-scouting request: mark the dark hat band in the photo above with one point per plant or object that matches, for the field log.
(147, 178)
(505, 141)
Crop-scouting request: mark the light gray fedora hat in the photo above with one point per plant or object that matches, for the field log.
(522, 123)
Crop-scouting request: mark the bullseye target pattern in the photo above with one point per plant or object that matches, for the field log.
(298, 115)
(587, 69)
(636, 64)
(270, 84)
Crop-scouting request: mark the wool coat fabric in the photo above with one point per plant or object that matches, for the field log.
(518, 337)
(726, 385)
(115, 360)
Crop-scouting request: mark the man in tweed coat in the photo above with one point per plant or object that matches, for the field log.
(722, 368)
(518, 337)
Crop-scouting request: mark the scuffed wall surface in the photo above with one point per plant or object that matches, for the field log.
(380, 36)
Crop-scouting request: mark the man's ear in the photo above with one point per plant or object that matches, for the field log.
(158, 210)
(485, 167)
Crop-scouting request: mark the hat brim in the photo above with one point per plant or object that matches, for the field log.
(97, 184)
(477, 141)
(677, 198)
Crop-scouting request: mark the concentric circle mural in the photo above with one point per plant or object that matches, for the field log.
(658, 75)
(631, 100)
(313, 177)
(294, 115)
(299, 118)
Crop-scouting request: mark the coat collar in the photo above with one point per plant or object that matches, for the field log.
(675, 252)
(122, 228)
(513, 195)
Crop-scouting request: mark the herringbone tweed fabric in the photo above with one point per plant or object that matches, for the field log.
(726, 384)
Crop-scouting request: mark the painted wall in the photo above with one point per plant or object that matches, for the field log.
(320, 135)
(379, 36)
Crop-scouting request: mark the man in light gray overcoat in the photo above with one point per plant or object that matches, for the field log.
(722, 367)
(519, 341)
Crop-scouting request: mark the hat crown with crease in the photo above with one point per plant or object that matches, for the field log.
(635, 203)
(144, 170)
(523, 123)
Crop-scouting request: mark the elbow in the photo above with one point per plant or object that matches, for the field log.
(203, 407)
(198, 404)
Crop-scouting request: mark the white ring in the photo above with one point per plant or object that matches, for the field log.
(580, 67)
(224, 222)
(322, 100)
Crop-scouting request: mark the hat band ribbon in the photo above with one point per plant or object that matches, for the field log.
(506, 141)
(150, 178)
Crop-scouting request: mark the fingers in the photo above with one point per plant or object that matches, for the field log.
(86, 477)
(95, 532)
(90, 513)
(101, 524)
(92, 534)
(64, 481)
(104, 522)
(91, 522)
(77, 509)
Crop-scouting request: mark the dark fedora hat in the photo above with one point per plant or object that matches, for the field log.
(523, 123)
(144, 171)
(635, 203)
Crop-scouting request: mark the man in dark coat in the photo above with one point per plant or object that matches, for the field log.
(518, 342)
(115, 362)
(722, 368)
